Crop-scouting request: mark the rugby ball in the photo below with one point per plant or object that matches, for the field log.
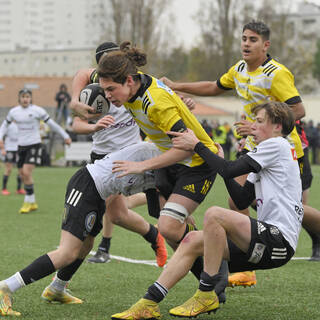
(93, 95)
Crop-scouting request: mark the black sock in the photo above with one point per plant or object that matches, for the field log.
(315, 237)
(4, 182)
(207, 282)
(152, 234)
(105, 244)
(156, 292)
(29, 189)
(37, 270)
(19, 182)
(67, 272)
(224, 273)
(197, 267)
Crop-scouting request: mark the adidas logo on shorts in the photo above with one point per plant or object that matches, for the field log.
(189, 187)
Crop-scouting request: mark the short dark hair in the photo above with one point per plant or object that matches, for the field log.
(23, 91)
(258, 27)
(105, 47)
(278, 112)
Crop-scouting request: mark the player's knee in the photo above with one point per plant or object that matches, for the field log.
(116, 219)
(193, 242)
(212, 215)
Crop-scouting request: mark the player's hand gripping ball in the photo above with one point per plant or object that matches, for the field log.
(93, 95)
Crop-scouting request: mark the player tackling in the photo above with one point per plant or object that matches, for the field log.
(247, 243)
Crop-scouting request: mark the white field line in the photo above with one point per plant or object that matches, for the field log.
(147, 262)
(154, 263)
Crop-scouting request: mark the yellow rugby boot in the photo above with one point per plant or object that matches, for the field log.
(143, 309)
(244, 279)
(64, 297)
(201, 302)
(6, 301)
(26, 208)
(34, 206)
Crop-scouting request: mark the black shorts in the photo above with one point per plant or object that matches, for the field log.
(84, 208)
(305, 170)
(191, 182)
(268, 249)
(30, 155)
(11, 157)
(94, 156)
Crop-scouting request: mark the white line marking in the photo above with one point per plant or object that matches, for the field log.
(147, 262)
(154, 263)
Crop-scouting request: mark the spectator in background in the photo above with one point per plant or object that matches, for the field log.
(63, 99)
(313, 137)
(207, 128)
(318, 144)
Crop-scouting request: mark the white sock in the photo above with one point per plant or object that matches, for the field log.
(30, 198)
(58, 284)
(15, 282)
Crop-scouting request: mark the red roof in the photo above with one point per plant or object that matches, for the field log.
(205, 110)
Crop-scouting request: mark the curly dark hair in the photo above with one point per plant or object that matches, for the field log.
(119, 64)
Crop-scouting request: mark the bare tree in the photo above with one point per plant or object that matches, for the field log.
(135, 20)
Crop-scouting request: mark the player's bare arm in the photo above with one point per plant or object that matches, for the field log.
(80, 80)
(298, 110)
(83, 127)
(200, 88)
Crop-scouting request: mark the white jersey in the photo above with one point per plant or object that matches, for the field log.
(11, 136)
(122, 134)
(107, 182)
(278, 187)
(28, 122)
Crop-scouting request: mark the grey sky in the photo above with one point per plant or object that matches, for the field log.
(187, 28)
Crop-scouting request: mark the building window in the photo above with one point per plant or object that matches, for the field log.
(309, 21)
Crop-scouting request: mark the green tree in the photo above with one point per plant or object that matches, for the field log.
(316, 63)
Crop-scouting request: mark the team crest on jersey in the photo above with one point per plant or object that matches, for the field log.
(90, 220)
(163, 86)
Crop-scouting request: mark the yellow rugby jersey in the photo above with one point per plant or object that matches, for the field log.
(156, 108)
(270, 81)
